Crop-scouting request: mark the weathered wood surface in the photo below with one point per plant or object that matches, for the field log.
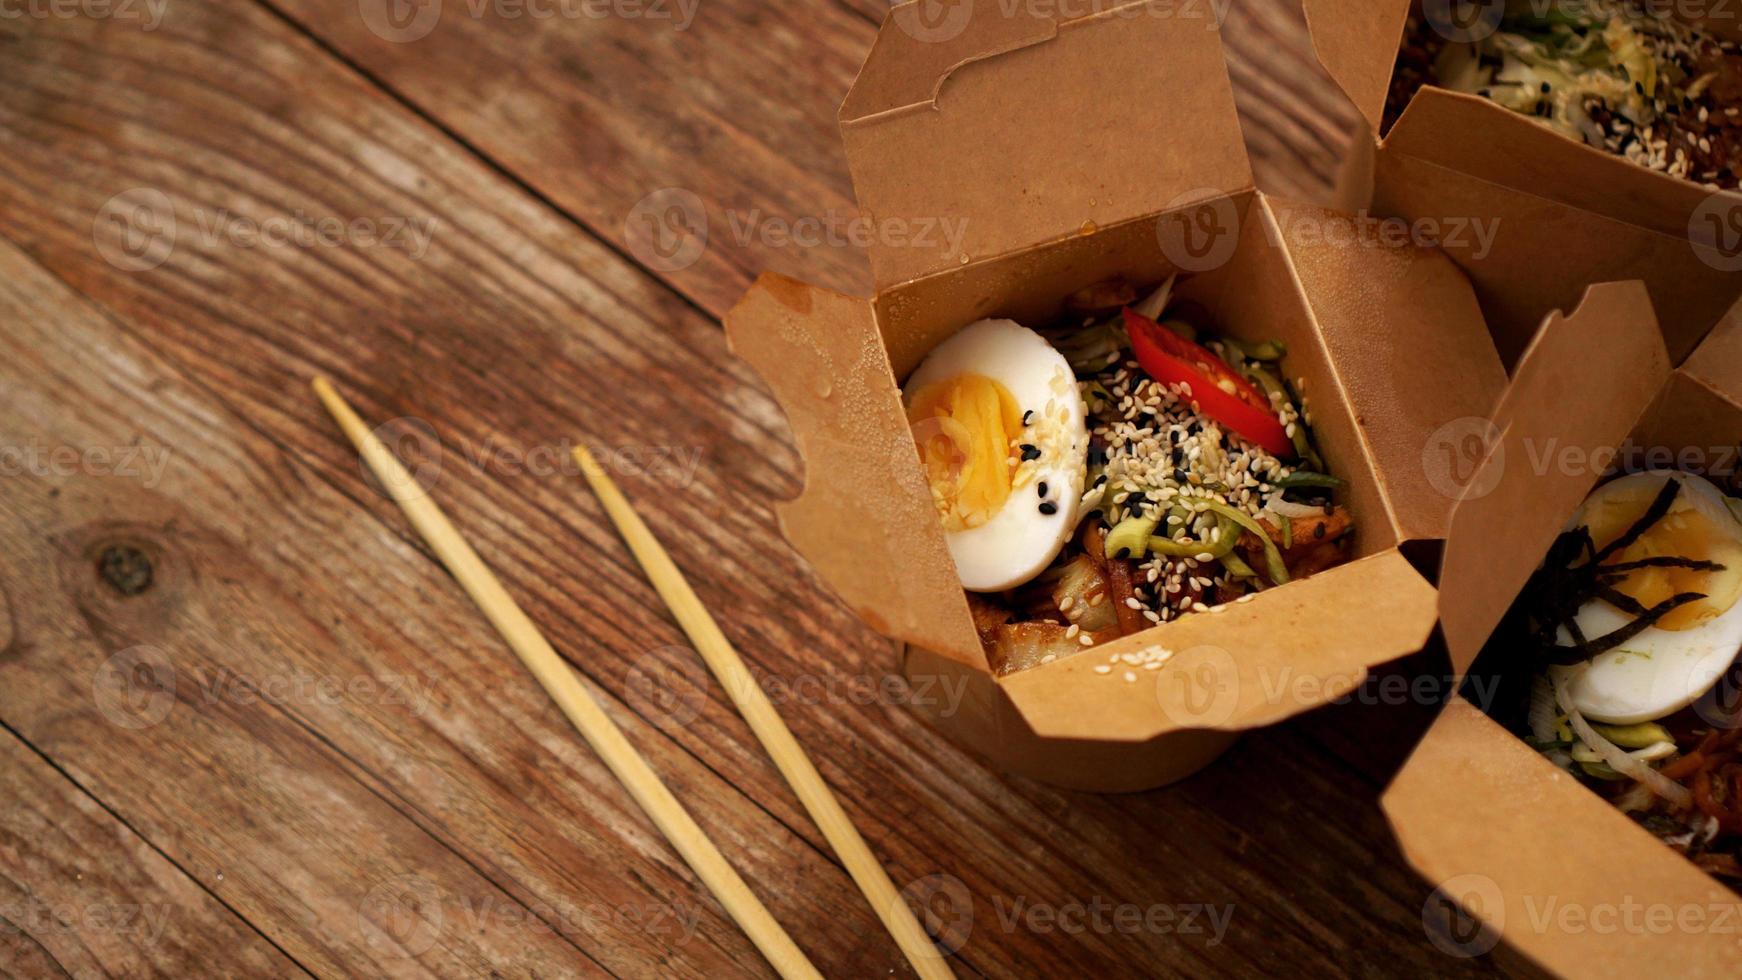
(298, 734)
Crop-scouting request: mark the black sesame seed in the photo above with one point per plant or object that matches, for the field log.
(1042, 488)
(1319, 531)
(1179, 476)
(1545, 88)
(1179, 456)
(1123, 553)
(1100, 480)
(1027, 415)
(1048, 507)
(1030, 451)
(1639, 88)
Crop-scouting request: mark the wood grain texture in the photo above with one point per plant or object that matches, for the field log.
(521, 325)
(738, 109)
(81, 894)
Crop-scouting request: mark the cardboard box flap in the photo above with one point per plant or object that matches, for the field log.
(1357, 45)
(1397, 324)
(1246, 665)
(1717, 362)
(1472, 135)
(1017, 128)
(1564, 877)
(1581, 386)
(865, 518)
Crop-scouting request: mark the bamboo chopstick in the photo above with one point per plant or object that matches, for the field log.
(788, 755)
(566, 690)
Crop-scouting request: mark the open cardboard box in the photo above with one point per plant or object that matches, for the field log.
(1079, 150)
(1549, 866)
(1564, 215)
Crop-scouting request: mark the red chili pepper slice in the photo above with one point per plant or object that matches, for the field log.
(1219, 393)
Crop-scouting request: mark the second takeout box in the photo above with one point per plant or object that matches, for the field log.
(1561, 215)
(1551, 868)
(1076, 151)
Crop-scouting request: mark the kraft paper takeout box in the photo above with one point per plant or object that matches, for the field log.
(1568, 214)
(1073, 150)
(1512, 838)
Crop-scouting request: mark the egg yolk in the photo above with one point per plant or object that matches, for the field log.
(1684, 532)
(966, 428)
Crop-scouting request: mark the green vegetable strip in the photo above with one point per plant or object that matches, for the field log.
(1236, 566)
(1227, 536)
(1307, 478)
(1131, 536)
(1272, 555)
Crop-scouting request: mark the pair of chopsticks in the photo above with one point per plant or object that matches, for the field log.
(630, 768)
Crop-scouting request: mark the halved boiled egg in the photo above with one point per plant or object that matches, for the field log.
(1669, 665)
(1002, 434)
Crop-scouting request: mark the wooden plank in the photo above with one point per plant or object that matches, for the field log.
(190, 700)
(601, 106)
(82, 895)
(737, 108)
(510, 334)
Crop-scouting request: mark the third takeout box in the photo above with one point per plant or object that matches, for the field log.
(1078, 150)
(1559, 873)
(1564, 215)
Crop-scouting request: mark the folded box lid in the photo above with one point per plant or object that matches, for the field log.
(1032, 126)
(1717, 362)
(1580, 388)
(865, 517)
(1559, 873)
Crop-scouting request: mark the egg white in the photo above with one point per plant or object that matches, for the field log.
(1019, 541)
(1658, 672)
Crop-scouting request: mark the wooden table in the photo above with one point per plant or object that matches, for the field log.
(250, 727)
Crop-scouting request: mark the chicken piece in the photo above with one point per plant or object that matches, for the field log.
(988, 616)
(1314, 543)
